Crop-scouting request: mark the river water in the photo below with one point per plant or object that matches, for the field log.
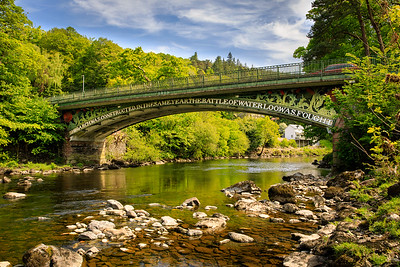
(68, 198)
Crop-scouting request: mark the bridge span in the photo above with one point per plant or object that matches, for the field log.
(296, 91)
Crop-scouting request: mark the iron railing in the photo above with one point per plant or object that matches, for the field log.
(203, 82)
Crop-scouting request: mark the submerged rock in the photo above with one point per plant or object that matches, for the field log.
(43, 256)
(13, 195)
(241, 238)
(242, 188)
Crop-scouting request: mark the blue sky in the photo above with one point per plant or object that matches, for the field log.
(257, 32)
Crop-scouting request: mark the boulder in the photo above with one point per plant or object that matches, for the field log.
(100, 225)
(251, 205)
(211, 224)
(282, 193)
(88, 235)
(13, 195)
(394, 190)
(244, 187)
(290, 208)
(191, 203)
(5, 264)
(43, 256)
(115, 204)
(121, 234)
(345, 178)
(333, 191)
(300, 259)
(168, 221)
(241, 238)
(305, 213)
(194, 232)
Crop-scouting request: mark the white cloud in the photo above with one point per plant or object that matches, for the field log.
(273, 27)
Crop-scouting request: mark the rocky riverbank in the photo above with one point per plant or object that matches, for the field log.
(123, 234)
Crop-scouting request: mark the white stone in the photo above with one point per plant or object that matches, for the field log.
(72, 227)
(13, 195)
(210, 208)
(264, 216)
(142, 245)
(168, 221)
(222, 242)
(240, 237)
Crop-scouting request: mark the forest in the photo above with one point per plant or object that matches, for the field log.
(37, 64)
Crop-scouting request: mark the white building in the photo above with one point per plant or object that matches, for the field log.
(296, 132)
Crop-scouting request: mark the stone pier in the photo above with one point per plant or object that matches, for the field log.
(88, 152)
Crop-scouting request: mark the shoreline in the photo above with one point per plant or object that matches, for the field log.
(47, 169)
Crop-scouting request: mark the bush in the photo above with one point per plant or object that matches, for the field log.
(352, 250)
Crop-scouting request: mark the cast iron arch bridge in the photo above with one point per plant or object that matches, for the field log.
(296, 91)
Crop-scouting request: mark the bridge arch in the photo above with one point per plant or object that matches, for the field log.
(88, 127)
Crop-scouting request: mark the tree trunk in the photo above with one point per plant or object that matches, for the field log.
(376, 27)
(364, 38)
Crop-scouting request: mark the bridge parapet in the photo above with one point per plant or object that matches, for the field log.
(271, 76)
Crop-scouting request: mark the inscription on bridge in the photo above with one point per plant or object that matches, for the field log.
(259, 105)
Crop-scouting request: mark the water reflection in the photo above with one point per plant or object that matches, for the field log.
(62, 197)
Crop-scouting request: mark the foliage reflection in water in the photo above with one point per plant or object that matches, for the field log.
(64, 198)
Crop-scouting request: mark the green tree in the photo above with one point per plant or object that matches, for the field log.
(370, 110)
(342, 27)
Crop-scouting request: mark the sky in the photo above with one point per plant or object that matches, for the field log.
(257, 32)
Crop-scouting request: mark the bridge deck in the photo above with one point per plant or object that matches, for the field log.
(267, 78)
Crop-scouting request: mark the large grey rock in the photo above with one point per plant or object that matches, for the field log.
(240, 237)
(115, 204)
(283, 193)
(244, 187)
(46, 256)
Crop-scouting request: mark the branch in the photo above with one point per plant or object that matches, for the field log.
(382, 120)
(360, 147)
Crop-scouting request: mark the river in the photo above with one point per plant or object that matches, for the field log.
(67, 198)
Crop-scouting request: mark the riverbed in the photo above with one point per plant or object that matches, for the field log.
(68, 198)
